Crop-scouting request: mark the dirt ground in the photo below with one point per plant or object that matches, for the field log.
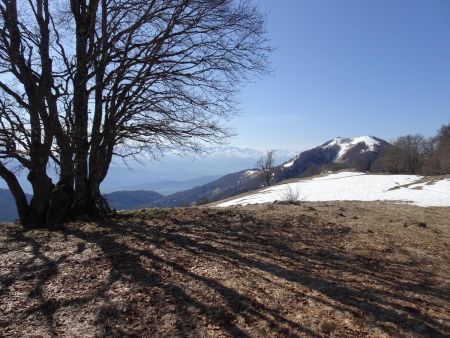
(344, 269)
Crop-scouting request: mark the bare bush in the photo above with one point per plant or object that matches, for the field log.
(290, 194)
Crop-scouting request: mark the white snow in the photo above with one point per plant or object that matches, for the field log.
(250, 172)
(347, 144)
(355, 186)
(290, 163)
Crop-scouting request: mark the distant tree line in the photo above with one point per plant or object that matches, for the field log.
(416, 154)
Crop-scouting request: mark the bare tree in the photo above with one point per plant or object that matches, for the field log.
(266, 166)
(415, 149)
(442, 150)
(27, 113)
(438, 162)
(407, 154)
(83, 81)
(391, 159)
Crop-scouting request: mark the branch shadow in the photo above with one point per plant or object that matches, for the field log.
(214, 271)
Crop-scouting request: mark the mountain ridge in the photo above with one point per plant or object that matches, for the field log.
(338, 153)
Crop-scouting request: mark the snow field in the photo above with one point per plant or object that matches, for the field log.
(355, 186)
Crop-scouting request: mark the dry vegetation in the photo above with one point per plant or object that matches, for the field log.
(330, 269)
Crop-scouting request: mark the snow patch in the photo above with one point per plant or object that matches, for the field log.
(289, 164)
(251, 172)
(356, 186)
(345, 144)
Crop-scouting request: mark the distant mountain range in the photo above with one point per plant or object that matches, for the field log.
(358, 153)
(148, 174)
(226, 152)
(123, 200)
(226, 186)
(169, 187)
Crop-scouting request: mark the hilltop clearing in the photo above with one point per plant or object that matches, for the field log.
(348, 269)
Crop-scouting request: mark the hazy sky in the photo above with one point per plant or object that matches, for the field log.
(349, 68)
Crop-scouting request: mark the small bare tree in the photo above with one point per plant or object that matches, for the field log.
(266, 165)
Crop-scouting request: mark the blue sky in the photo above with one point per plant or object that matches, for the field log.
(349, 68)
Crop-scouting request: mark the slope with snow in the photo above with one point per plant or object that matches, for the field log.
(355, 186)
(344, 153)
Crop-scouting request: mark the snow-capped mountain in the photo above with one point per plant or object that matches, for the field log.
(221, 152)
(216, 151)
(342, 146)
(345, 145)
(339, 153)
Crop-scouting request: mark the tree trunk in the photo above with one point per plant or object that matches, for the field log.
(98, 206)
(81, 135)
(85, 14)
(42, 189)
(99, 165)
(18, 194)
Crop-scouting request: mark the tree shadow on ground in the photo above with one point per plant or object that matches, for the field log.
(200, 272)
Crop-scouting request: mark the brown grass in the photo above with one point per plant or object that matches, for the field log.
(316, 269)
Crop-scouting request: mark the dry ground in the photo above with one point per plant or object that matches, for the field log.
(316, 269)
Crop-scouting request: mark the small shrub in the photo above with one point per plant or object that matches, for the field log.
(290, 195)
